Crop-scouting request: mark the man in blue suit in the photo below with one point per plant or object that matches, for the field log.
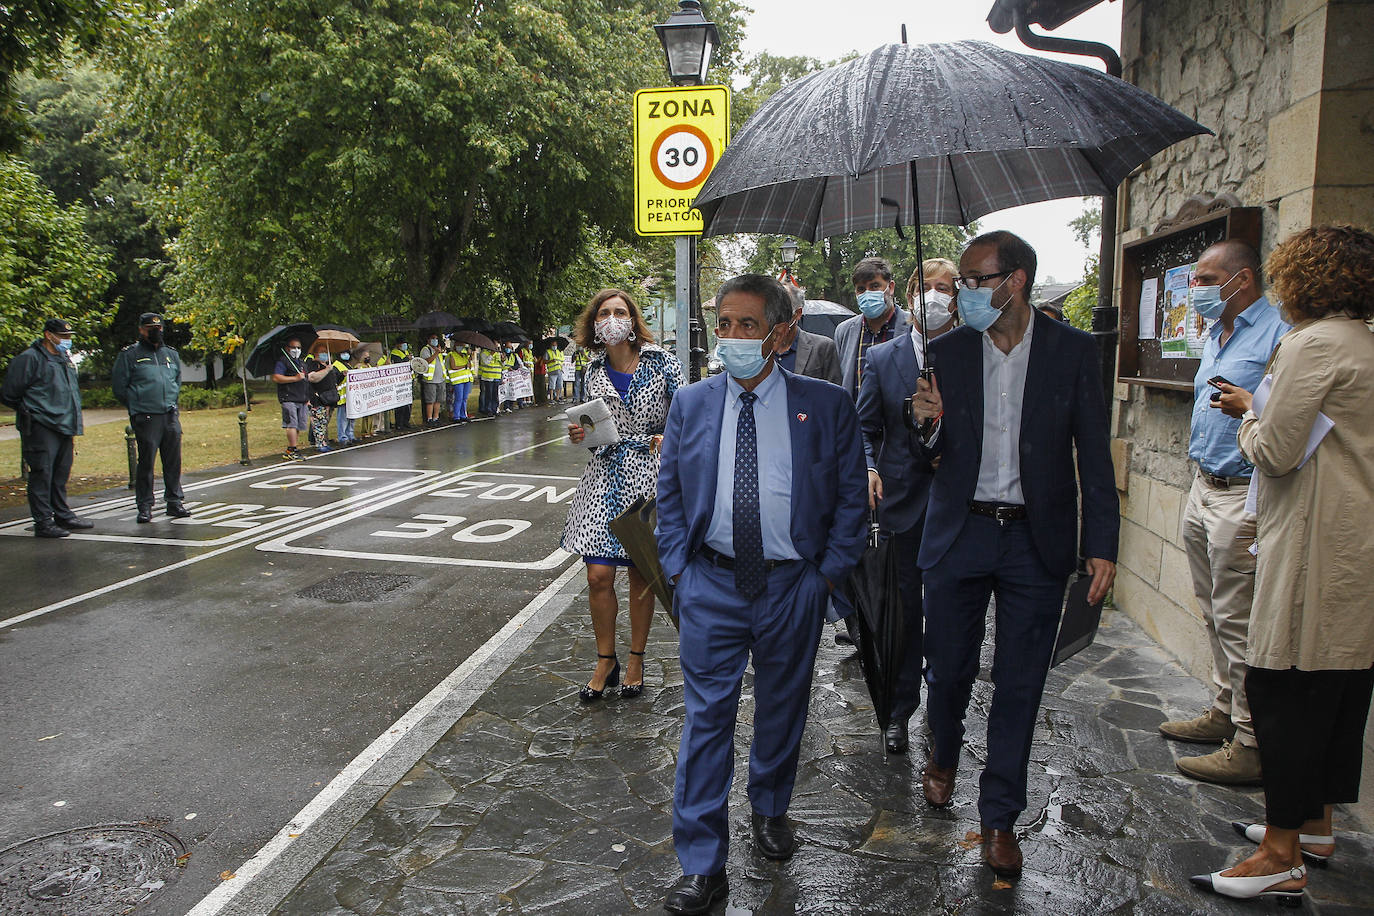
(761, 513)
(898, 472)
(1022, 398)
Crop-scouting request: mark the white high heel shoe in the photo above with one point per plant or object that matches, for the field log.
(1255, 886)
(1255, 834)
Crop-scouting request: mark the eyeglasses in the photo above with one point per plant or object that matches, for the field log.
(973, 281)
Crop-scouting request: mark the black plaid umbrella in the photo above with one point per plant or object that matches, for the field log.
(977, 129)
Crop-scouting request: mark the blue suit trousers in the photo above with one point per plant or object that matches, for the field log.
(991, 559)
(719, 629)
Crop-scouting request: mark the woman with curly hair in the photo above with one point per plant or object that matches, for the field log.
(1311, 650)
(637, 379)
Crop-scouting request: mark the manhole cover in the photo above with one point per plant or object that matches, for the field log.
(93, 871)
(349, 587)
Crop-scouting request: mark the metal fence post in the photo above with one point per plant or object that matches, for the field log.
(130, 444)
(243, 438)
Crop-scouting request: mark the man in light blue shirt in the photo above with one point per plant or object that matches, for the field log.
(1217, 533)
(761, 512)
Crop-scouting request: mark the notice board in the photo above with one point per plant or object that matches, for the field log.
(1160, 337)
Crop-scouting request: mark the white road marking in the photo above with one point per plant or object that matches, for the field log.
(348, 779)
(272, 529)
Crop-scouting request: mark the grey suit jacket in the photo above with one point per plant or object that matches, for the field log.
(847, 344)
(817, 357)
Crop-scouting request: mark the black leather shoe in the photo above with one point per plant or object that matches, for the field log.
(693, 894)
(773, 836)
(49, 531)
(75, 524)
(895, 738)
(145, 515)
(177, 510)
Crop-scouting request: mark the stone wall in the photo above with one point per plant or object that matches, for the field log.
(1225, 63)
(1288, 88)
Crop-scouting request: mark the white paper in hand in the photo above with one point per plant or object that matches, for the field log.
(595, 418)
(1320, 427)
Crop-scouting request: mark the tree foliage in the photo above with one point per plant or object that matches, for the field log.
(1078, 307)
(79, 153)
(331, 160)
(48, 266)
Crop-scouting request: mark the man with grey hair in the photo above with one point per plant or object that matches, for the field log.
(762, 511)
(804, 353)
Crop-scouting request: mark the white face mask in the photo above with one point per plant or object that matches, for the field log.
(613, 329)
(294, 353)
(939, 309)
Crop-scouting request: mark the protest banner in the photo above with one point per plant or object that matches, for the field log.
(377, 389)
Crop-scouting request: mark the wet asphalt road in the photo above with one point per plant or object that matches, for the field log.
(211, 687)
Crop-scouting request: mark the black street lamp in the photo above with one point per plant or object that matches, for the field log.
(688, 39)
(789, 256)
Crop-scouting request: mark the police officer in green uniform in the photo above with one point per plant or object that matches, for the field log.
(147, 380)
(41, 387)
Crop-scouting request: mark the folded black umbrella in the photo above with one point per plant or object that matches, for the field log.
(271, 346)
(875, 592)
(634, 528)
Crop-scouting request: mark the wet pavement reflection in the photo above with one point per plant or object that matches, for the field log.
(533, 803)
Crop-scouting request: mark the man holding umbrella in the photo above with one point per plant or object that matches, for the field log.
(1016, 397)
(293, 391)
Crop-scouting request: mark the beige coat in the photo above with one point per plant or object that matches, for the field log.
(1314, 586)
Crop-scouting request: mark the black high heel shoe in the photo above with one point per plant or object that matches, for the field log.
(588, 695)
(630, 691)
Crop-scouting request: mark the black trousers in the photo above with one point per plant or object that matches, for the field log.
(1310, 729)
(49, 456)
(908, 544)
(157, 433)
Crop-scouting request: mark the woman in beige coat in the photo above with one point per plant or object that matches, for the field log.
(1311, 652)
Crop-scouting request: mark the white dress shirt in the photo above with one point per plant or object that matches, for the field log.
(1004, 391)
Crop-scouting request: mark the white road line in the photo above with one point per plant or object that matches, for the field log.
(349, 778)
(346, 505)
(283, 545)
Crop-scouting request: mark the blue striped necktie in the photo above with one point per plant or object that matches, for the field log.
(751, 575)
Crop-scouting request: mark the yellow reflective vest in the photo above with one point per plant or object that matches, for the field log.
(435, 372)
(459, 368)
(342, 368)
(581, 358)
(489, 366)
(553, 360)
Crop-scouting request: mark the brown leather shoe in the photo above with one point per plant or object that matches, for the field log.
(937, 783)
(1002, 852)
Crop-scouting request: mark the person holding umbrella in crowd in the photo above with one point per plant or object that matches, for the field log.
(899, 474)
(293, 392)
(460, 381)
(147, 380)
(1010, 384)
(40, 385)
(324, 394)
(433, 379)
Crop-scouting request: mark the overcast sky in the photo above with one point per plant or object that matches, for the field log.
(829, 29)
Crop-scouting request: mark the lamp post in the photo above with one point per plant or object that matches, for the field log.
(789, 256)
(688, 39)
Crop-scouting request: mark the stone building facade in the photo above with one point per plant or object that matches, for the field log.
(1288, 87)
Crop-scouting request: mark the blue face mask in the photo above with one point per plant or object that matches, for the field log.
(64, 344)
(976, 308)
(743, 357)
(1207, 299)
(873, 303)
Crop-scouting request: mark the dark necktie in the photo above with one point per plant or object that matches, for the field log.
(750, 573)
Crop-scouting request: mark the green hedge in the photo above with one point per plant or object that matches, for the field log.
(191, 398)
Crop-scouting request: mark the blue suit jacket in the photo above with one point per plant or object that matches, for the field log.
(1063, 411)
(829, 499)
(889, 381)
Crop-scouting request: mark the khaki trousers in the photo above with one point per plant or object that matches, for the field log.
(1217, 535)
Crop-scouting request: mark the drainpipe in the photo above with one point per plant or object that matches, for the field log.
(1105, 313)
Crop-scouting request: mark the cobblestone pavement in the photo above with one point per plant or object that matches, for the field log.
(533, 803)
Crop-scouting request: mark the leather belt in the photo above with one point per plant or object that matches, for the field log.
(716, 558)
(1002, 512)
(1222, 483)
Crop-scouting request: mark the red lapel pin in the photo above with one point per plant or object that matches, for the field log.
(801, 417)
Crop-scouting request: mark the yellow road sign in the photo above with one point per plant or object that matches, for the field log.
(679, 136)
